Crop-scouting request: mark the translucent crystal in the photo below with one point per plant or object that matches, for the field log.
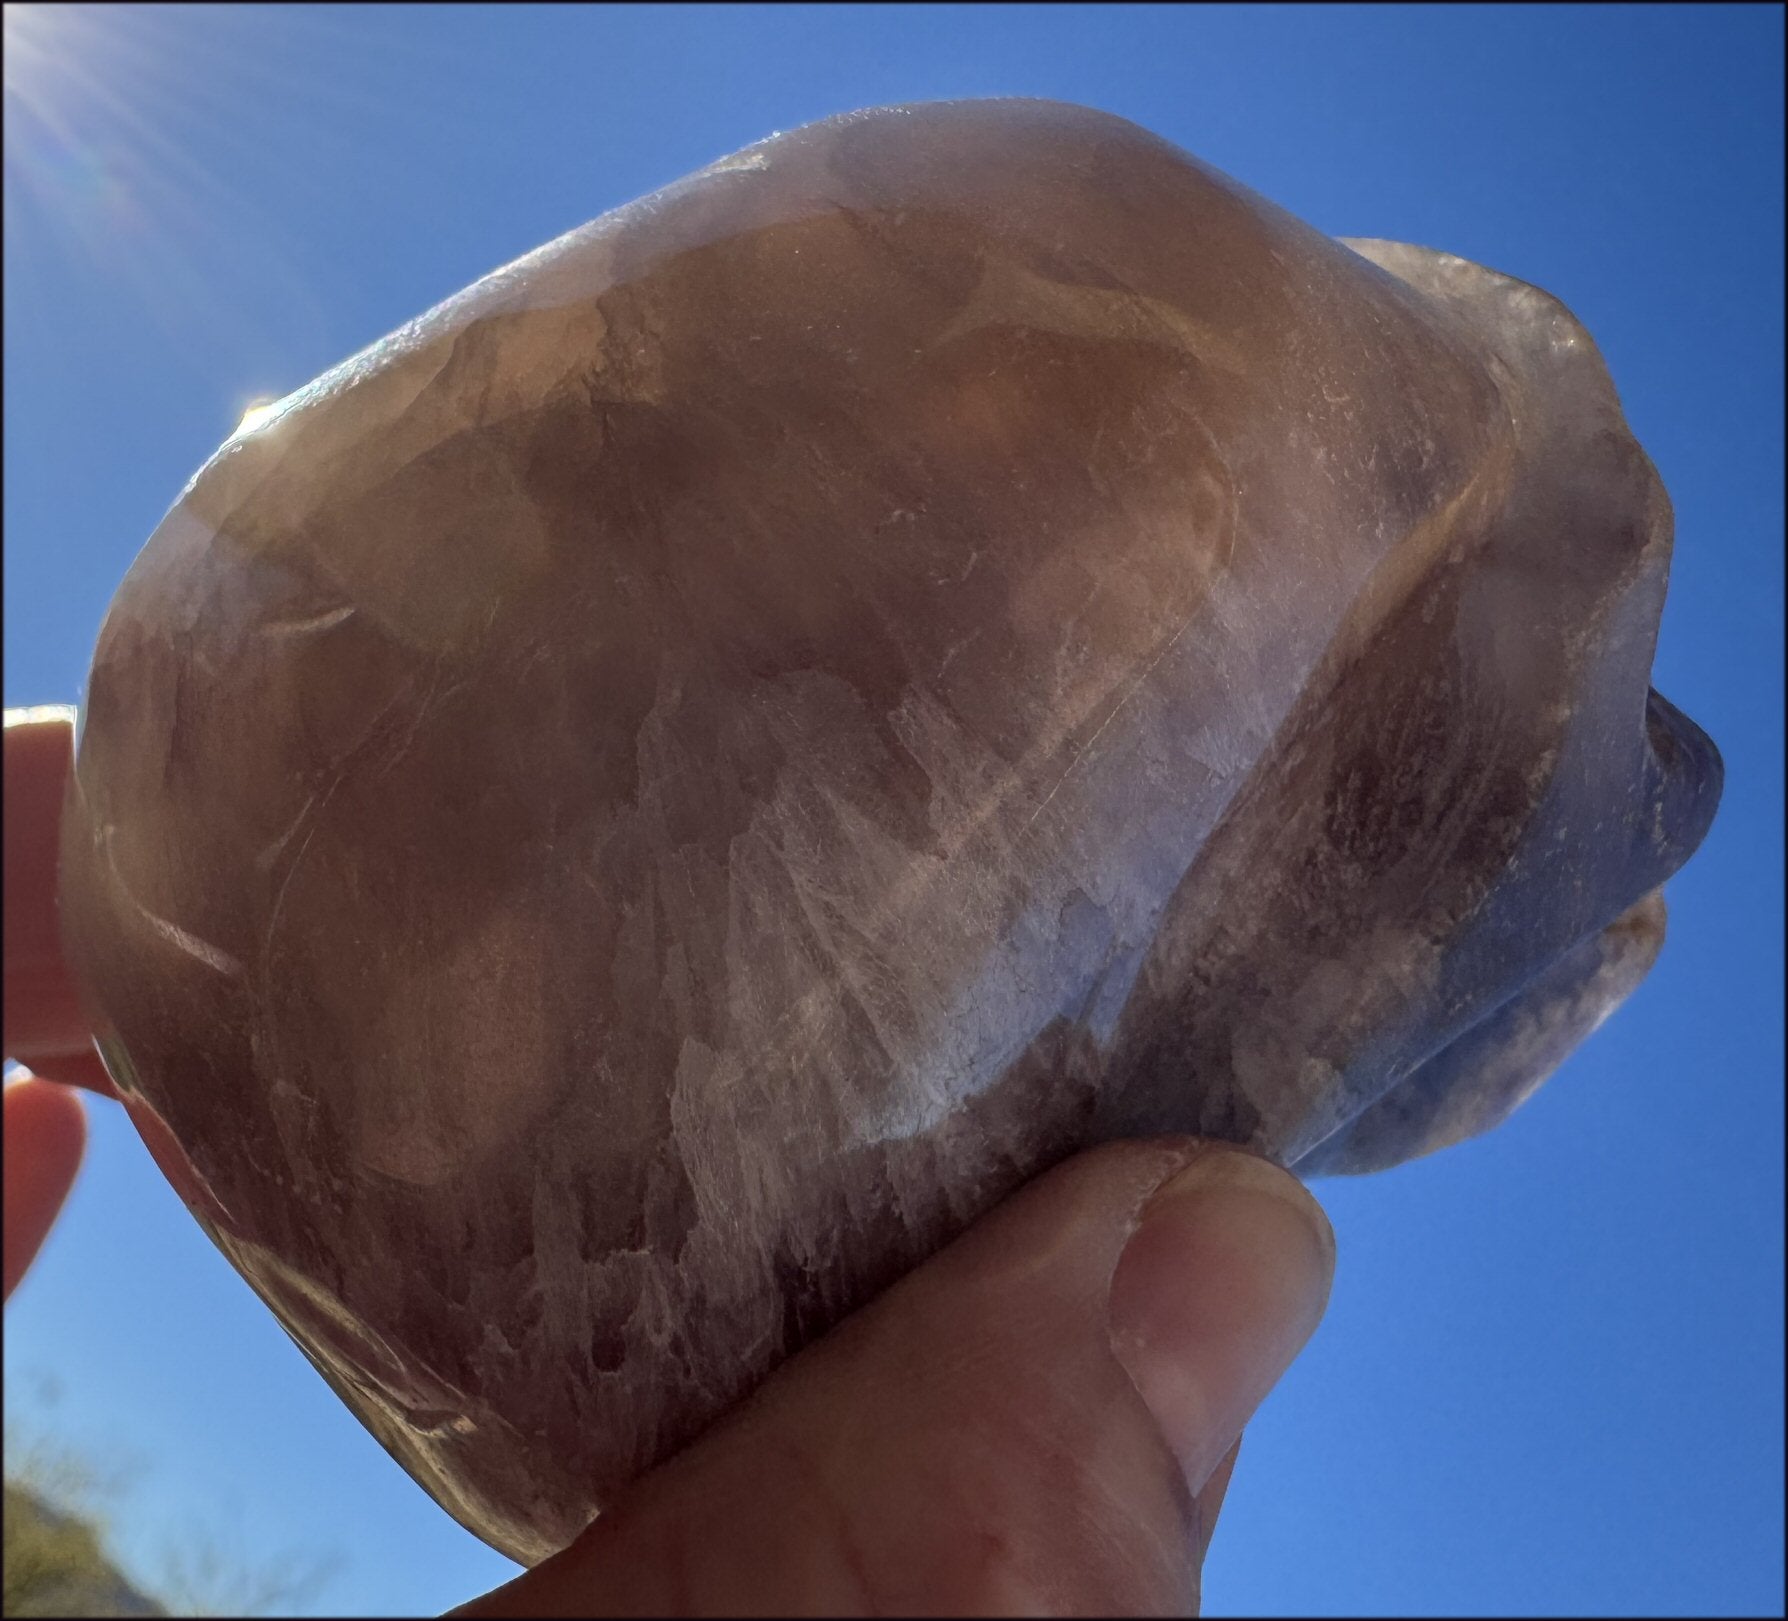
(613, 823)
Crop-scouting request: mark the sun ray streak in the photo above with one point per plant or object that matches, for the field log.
(124, 127)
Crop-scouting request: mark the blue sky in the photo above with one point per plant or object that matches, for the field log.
(1551, 1379)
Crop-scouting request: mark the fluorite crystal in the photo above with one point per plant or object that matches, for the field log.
(623, 817)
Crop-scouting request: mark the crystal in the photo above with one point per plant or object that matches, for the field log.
(615, 822)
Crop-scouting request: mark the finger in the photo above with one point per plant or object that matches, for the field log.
(84, 1069)
(1209, 1501)
(45, 1132)
(43, 1018)
(1021, 1426)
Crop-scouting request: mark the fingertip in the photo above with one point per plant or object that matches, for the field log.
(1215, 1294)
(84, 1069)
(45, 1136)
(49, 1113)
(1209, 1502)
(43, 1016)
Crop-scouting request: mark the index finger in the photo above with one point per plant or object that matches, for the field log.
(44, 1027)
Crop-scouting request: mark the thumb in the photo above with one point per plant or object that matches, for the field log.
(1027, 1424)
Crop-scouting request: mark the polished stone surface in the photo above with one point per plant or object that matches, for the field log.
(622, 817)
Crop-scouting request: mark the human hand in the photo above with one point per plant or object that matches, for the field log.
(45, 1125)
(1041, 1420)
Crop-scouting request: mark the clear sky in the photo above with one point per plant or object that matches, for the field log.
(1551, 1380)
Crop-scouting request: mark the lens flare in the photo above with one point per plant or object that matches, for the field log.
(149, 152)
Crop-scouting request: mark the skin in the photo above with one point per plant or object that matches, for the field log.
(1043, 1419)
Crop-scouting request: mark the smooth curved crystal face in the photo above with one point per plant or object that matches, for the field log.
(621, 818)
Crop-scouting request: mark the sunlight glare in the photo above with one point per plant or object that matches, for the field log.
(125, 133)
(257, 415)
